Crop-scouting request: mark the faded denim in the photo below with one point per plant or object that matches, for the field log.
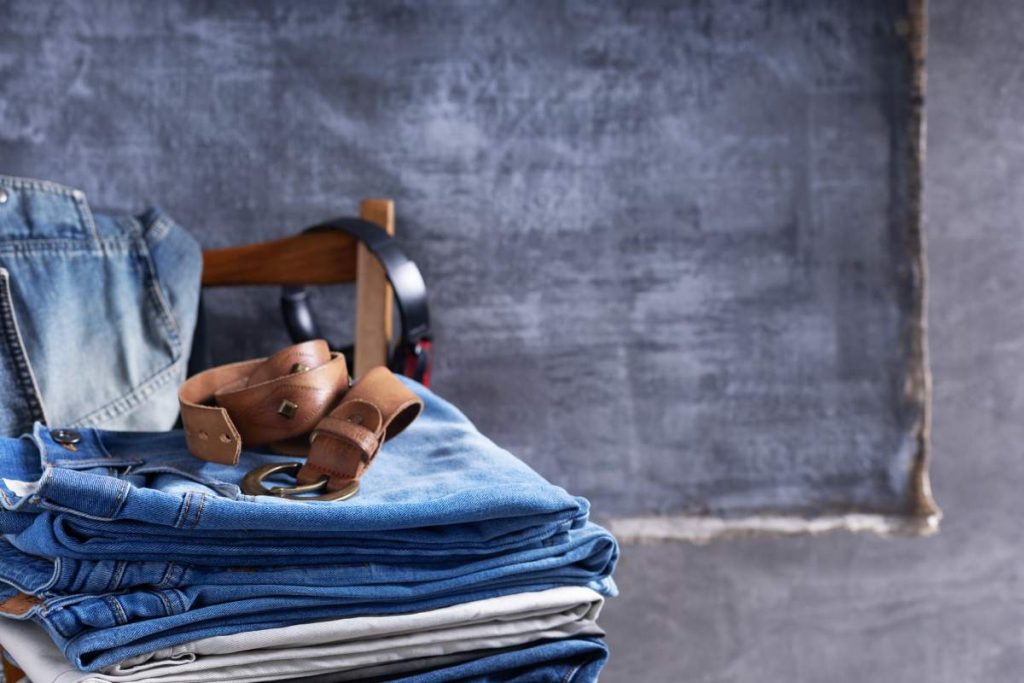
(96, 311)
(440, 488)
(444, 516)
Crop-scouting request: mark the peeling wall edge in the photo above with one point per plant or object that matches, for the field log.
(700, 530)
(920, 379)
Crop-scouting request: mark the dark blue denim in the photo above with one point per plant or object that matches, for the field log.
(586, 558)
(573, 660)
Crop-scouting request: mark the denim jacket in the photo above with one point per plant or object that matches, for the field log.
(96, 311)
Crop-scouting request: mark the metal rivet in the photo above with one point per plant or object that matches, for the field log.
(287, 409)
(355, 419)
(3, 196)
(66, 437)
(299, 367)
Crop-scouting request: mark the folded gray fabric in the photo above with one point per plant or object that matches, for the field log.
(338, 650)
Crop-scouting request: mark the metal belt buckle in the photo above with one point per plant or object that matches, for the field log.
(252, 484)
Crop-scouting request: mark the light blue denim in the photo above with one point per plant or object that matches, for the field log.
(443, 516)
(440, 487)
(96, 311)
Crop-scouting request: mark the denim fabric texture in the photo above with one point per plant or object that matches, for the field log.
(571, 660)
(118, 293)
(131, 544)
(346, 649)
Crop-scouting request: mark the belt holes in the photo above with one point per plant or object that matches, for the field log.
(225, 438)
(203, 435)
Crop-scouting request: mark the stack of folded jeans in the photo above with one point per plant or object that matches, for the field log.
(455, 561)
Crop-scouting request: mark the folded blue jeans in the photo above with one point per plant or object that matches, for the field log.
(440, 487)
(103, 645)
(586, 558)
(444, 516)
(192, 602)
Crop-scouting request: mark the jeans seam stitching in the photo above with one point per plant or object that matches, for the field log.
(18, 182)
(185, 504)
(85, 215)
(133, 399)
(63, 245)
(162, 305)
(17, 350)
(199, 510)
(180, 597)
(571, 673)
(122, 493)
(168, 609)
(118, 575)
(160, 228)
(56, 578)
(165, 579)
(115, 606)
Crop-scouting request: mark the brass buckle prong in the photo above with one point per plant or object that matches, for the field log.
(252, 484)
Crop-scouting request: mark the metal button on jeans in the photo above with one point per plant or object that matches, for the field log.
(3, 196)
(66, 437)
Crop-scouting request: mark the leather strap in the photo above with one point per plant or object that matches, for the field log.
(344, 443)
(296, 400)
(411, 355)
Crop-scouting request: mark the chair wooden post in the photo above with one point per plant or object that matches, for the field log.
(373, 294)
(329, 257)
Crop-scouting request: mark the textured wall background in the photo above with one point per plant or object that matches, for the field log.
(837, 608)
(666, 242)
(945, 609)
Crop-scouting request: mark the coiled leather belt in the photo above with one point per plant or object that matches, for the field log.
(296, 402)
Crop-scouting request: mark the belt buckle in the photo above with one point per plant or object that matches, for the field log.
(252, 484)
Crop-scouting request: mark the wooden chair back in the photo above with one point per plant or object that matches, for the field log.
(320, 258)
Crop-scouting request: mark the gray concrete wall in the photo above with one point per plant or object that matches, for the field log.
(946, 609)
(666, 242)
(121, 99)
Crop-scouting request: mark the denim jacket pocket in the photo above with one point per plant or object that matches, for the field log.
(104, 309)
(22, 403)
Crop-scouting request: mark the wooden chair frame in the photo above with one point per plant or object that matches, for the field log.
(316, 259)
(311, 259)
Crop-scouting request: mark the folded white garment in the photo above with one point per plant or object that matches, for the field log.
(338, 650)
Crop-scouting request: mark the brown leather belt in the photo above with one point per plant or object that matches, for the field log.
(296, 402)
